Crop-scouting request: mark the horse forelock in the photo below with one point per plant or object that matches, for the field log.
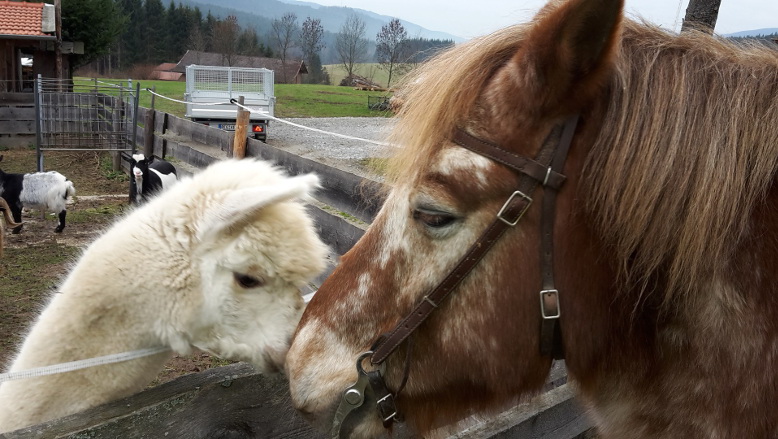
(687, 148)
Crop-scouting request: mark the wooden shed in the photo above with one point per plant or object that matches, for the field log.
(27, 44)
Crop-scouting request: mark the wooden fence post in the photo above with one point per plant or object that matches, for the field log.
(148, 129)
(241, 125)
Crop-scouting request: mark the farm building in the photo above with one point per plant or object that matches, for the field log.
(27, 44)
(165, 73)
(290, 72)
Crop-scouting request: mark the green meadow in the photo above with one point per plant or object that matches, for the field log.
(292, 100)
(371, 71)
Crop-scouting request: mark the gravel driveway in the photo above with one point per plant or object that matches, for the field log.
(345, 154)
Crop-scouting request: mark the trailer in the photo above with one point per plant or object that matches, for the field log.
(207, 86)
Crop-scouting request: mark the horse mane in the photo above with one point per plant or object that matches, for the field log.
(438, 95)
(688, 144)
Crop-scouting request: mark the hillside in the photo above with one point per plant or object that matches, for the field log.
(755, 32)
(332, 18)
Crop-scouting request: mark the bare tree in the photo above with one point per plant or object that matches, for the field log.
(702, 15)
(224, 38)
(311, 36)
(350, 43)
(311, 44)
(391, 48)
(197, 41)
(284, 31)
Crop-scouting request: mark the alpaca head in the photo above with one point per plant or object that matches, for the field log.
(248, 246)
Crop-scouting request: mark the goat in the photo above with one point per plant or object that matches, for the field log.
(8, 222)
(38, 190)
(149, 176)
(230, 247)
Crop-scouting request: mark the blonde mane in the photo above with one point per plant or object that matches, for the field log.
(439, 95)
(688, 146)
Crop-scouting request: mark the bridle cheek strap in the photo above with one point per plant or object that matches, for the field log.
(550, 334)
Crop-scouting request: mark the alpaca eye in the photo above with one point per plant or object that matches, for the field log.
(433, 219)
(247, 281)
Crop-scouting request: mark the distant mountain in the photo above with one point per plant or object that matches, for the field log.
(332, 17)
(754, 33)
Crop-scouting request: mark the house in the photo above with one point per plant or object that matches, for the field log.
(165, 73)
(290, 72)
(27, 45)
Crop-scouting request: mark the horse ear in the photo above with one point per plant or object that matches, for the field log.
(238, 208)
(569, 49)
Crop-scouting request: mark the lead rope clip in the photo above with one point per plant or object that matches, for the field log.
(353, 397)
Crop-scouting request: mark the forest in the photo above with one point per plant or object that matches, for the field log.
(128, 36)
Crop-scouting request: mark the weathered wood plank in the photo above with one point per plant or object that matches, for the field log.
(227, 402)
(17, 113)
(17, 99)
(552, 414)
(342, 190)
(17, 127)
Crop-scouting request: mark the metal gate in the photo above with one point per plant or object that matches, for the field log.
(84, 115)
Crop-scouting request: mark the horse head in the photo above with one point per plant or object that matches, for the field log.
(645, 254)
(480, 348)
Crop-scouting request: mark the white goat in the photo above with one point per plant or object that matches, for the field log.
(39, 190)
(215, 262)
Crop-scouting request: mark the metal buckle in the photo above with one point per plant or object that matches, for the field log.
(543, 312)
(507, 203)
(388, 397)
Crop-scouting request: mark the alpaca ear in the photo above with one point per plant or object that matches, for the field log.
(569, 50)
(239, 207)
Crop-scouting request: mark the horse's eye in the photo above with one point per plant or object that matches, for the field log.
(433, 219)
(247, 281)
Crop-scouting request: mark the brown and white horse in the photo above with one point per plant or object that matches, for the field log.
(664, 249)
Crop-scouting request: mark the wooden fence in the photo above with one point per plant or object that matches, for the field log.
(17, 118)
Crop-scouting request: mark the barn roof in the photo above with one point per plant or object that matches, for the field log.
(22, 19)
(292, 67)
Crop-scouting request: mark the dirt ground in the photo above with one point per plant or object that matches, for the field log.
(36, 260)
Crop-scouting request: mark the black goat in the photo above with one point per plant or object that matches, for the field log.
(149, 176)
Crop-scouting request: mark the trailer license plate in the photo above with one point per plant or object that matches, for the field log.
(227, 126)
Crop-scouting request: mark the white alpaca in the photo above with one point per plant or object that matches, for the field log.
(215, 262)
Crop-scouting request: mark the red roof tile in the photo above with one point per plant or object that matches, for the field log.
(21, 18)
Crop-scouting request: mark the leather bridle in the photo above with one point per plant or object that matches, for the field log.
(544, 170)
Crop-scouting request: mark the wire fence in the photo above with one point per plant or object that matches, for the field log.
(84, 115)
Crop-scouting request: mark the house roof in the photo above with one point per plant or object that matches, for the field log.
(22, 19)
(165, 66)
(292, 67)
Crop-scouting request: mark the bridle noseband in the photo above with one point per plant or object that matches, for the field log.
(544, 170)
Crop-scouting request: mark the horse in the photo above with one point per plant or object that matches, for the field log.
(583, 186)
(215, 262)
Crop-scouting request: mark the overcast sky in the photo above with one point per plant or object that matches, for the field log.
(469, 18)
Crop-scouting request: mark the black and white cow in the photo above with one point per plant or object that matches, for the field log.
(150, 176)
(38, 190)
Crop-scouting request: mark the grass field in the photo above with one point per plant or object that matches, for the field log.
(371, 71)
(292, 100)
